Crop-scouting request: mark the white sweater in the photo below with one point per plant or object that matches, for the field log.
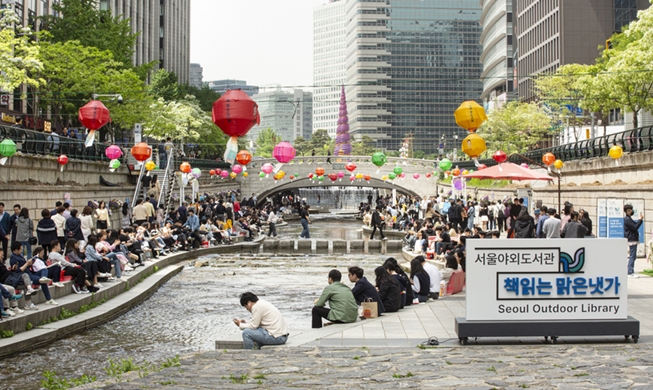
(268, 317)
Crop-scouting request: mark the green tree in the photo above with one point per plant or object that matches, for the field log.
(205, 95)
(516, 127)
(302, 146)
(266, 141)
(164, 85)
(560, 92)
(364, 147)
(19, 54)
(83, 21)
(178, 119)
(321, 143)
(595, 88)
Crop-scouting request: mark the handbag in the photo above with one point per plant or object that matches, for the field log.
(370, 308)
(101, 224)
(32, 241)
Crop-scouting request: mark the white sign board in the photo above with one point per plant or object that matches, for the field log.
(552, 279)
(615, 218)
(602, 216)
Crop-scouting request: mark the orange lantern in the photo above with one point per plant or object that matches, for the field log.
(185, 167)
(548, 159)
(367, 177)
(447, 173)
(243, 157)
(141, 151)
(212, 172)
(455, 172)
(319, 171)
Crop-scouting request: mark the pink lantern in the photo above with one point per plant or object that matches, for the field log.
(415, 176)
(113, 152)
(284, 152)
(341, 175)
(237, 169)
(267, 168)
(524, 165)
(403, 174)
(352, 177)
(224, 174)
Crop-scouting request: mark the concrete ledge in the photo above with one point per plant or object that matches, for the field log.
(229, 344)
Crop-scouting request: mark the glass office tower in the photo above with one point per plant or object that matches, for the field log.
(409, 65)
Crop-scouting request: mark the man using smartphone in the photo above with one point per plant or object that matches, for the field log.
(266, 327)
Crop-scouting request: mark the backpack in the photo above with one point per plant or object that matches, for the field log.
(490, 213)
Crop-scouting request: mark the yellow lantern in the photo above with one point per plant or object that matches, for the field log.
(465, 172)
(245, 174)
(150, 165)
(616, 152)
(384, 178)
(281, 174)
(558, 164)
(233, 175)
(473, 145)
(470, 115)
(359, 176)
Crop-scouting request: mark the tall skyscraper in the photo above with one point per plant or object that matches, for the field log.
(288, 113)
(552, 33)
(329, 29)
(409, 65)
(196, 77)
(497, 56)
(164, 32)
(221, 86)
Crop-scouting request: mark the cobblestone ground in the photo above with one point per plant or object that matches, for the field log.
(609, 366)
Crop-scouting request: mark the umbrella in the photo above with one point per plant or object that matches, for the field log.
(508, 171)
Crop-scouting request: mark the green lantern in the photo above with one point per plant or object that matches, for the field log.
(397, 171)
(261, 174)
(320, 178)
(392, 176)
(7, 149)
(113, 165)
(379, 159)
(445, 164)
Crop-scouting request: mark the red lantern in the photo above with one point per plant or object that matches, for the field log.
(243, 157)
(310, 176)
(218, 171)
(428, 175)
(447, 173)
(292, 177)
(284, 152)
(350, 166)
(319, 171)
(367, 177)
(62, 160)
(94, 115)
(235, 113)
(548, 159)
(185, 167)
(500, 156)
(141, 151)
(333, 176)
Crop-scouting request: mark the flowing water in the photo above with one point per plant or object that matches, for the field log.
(337, 197)
(192, 310)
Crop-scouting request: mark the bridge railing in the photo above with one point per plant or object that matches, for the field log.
(326, 161)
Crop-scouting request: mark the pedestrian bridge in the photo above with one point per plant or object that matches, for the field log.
(302, 166)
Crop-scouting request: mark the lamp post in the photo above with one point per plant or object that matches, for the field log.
(455, 148)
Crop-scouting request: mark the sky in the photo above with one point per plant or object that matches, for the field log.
(265, 42)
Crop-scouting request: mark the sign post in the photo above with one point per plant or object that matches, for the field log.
(549, 288)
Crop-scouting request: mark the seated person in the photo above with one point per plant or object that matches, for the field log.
(389, 290)
(19, 266)
(266, 327)
(70, 269)
(41, 269)
(363, 290)
(451, 266)
(435, 276)
(11, 279)
(367, 218)
(420, 243)
(420, 280)
(443, 239)
(243, 228)
(342, 305)
(9, 307)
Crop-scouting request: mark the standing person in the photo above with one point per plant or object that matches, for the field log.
(140, 213)
(501, 217)
(524, 225)
(182, 212)
(328, 160)
(74, 227)
(551, 226)
(272, 222)
(515, 209)
(544, 215)
(12, 223)
(377, 223)
(126, 219)
(145, 184)
(573, 228)
(5, 224)
(87, 222)
(102, 217)
(471, 212)
(631, 232)
(266, 327)
(586, 221)
(60, 224)
(305, 220)
(25, 232)
(167, 152)
(342, 305)
(46, 232)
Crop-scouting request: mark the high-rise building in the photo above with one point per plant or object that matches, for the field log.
(329, 30)
(409, 65)
(288, 113)
(497, 56)
(196, 78)
(221, 86)
(164, 32)
(552, 33)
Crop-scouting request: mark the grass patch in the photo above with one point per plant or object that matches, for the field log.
(491, 369)
(259, 376)
(399, 376)
(647, 272)
(448, 362)
(5, 334)
(356, 358)
(29, 326)
(582, 374)
(238, 379)
(52, 381)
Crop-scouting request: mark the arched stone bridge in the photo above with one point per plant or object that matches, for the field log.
(302, 166)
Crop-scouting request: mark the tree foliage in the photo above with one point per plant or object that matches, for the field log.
(83, 21)
(178, 119)
(265, 142)
(164, 85)
(19, 55)
(516, 127)
(364, 147)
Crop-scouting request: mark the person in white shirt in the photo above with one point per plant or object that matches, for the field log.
(266, 327)
(272, 222)
(435, 275)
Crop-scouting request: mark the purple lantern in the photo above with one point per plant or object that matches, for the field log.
(459, 184)
(284, 152)
(113, 152)
(343, 145)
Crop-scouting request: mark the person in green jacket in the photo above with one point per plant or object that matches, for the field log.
(343, 307)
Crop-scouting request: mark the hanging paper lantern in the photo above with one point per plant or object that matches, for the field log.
(524, 165)
(320, 178)
(233, 175)
(341, 175)
(482, 166)
(392, 176)
(319, 171)
(352, 177)
(465, 172)
(245, 174)
(428, 175)
(459, 184)
(237, 169)
(548, 159)
(616, 152)
(445, 164)
(397, 170)
(333, 176)
(7, 149)
(416, 176)
(455, 172)
(235, 114)
(500, 156)
(62, 160)
(113, 152)
(473, 145)
(350, 166)
(292, 177)
(113, 165)
(359, 176)
(212, 172)
(470, 115)
(384, 177)
(261, 175)
(367, 177)
(141, 151)
(185, 167)
(281, 174)
(284, 152)
(447, 173)
(267, 168)
(243, 157)
(224, 174)
(93, 116)
(558, 164)
(196, 172)
(150, 165)
(218, 171)
(310, 176)
(379, 160)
